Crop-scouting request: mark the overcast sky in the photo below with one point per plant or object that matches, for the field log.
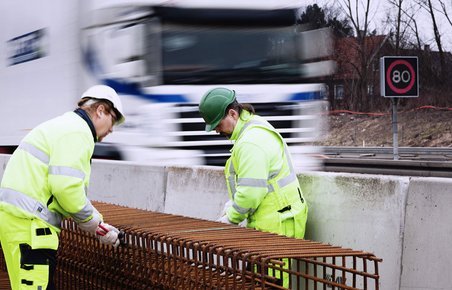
(380, 9)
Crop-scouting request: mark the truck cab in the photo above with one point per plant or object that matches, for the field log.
(162, 58)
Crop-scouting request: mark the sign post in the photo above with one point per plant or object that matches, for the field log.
(395, 134)
(399, 77)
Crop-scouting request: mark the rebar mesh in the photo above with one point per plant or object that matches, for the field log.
(4, 281)
(164, 251)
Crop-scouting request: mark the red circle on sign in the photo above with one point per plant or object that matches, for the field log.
(388, 76)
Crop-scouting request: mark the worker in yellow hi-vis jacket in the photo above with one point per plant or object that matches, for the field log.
(46, 180)
(263, 186)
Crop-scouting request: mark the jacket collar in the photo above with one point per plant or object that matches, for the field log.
(245, 117)
(84, 115)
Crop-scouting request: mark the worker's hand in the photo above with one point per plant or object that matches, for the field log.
(224, 219)
(108, 234)
(227, 205)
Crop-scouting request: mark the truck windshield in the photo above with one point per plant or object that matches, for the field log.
(218, 54)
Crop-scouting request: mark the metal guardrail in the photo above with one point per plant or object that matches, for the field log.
(413, 161)
(390, 167)
(382, 152)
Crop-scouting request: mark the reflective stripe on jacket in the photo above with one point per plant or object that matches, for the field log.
(261, 180)
(48, 174)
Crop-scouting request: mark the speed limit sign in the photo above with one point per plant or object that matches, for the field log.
(399, 76)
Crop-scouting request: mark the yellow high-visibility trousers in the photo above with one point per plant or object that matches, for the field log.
(29, 247)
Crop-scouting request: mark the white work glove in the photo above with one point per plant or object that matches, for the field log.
(91, 225)
(224, 219)
(107, 234)
(227, 205)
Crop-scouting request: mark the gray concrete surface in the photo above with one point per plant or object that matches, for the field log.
(195, 191)
(406, 221)
(427, 247)
(129, 184)
(362, 212)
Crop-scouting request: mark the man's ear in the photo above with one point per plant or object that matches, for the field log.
(100, 109)
(234, 114)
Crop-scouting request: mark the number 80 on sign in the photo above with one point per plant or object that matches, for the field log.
(399, 76)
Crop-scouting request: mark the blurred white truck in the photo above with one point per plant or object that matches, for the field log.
(161, 56)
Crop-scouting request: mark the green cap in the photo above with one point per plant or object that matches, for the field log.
(213, 106)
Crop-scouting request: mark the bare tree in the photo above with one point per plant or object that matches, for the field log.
(358, 12)
(414, 27)
(404, 28)
(429, 7)
(445, 10)
(398, 22)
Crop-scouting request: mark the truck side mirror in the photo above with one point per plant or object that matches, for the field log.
(315, 50)
(129, 55)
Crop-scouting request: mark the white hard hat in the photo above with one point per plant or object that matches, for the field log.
(106, 93)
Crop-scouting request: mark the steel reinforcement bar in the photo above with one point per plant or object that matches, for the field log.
(164, 251)
(4, 281)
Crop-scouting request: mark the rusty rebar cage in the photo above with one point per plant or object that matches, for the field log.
(164, 251)
(4, 281)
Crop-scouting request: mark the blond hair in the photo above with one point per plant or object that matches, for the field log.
(90, 105)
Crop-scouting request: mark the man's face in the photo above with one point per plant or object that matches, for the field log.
(227, 124)
(105, 123)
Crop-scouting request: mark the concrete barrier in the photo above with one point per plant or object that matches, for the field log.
(3, 161)
(362, 212)
(427, 244)
(128, 184)
(196, 191)
(406, 221)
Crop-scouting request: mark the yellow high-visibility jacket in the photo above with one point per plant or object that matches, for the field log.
(48, 175)
(261, 181)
